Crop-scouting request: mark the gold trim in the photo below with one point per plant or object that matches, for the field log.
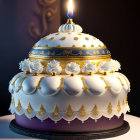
(68, 48)
(13, 101)
(124, 79)
(69, 112)
(29, 109)
(95, 111)
(38, 86)
(107, 86)
(123, 102)
(61, 83)
(118, 107)
(15, 80)
(20, 86)
(109, 109)
(83, 111)
(121, 81)
(85, 87)
(19, 106)
(41, 111)
(56, 112)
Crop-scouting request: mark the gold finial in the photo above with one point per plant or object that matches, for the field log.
(70, 21)
(69, 112)
(56, 112)
(107, 86)
(15, 80)
(109, 109)
(41, 111)
(19, 106)
(61, 84)
(29, 109)
(118, 107)
(95, 111)
(120, 81)
(83, 111)
(38, 86)
(20, 86)
(85, 87)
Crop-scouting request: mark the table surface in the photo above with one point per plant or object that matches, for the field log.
(134, 133)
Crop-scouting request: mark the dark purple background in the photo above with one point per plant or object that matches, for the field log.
(116, 23)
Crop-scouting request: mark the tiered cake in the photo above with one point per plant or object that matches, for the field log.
(69, 84)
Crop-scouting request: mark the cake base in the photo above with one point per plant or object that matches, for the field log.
(68, 136)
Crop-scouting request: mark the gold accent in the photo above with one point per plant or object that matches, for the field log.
(70, 21)
(54, 74)
(29, 109)
(82, 111)
(85, 87)
(45, 38)
(79, 33)
(57, 33)
(42, 53)
(123, 102)
(94, 38)
(47, 45)
(19, 106)
(107, 86)
(126, 100)
(69, 112)
(15, 80)
(63, 38)
(27, 72)
(84, 46)
(13, 101)
(59, 46)
(73, 46)
(98, 52)
(124, 79)
(109, 109)
(118, 107)
(20, 86)
(52, 38)
(56, 112)
(61, 83)
(69, 33)
(120, 81)
(38, 86)
(41, 111)
(95, 111)
(103, 52)
(94, 53)
(76, 38)
(86, 38)
(99, 46)
(92, 45)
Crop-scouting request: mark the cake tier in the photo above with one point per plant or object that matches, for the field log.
(69, 97)
(76, 125)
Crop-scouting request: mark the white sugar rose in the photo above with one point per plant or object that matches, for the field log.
(115, 65)
(54, 67)
(72, 68)
(104, 67)
(24, 65)
(36, 67)
(89, 68)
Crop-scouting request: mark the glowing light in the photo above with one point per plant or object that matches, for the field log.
(70, 9)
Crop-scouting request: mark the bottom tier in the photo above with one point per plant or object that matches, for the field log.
(76, 125)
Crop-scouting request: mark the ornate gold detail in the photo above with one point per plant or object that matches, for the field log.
(38, 86)
(45, 38)
(41, 111)
(41, 53)
(57, 33)
(94, 53)
(19, 106)
(13, 101)
(85, 87)
(107, 86)
(46, 12)
(52, 38)
(59, 46)
(79, 33)
(76, 38)
(94, 38)
(123, 102)
(103, 52)
(61, 83)
(109, 109)
(126, 100)
(69, 112)
(20, 86)
(86, 38)
(47, 45)
(15, 80)
(56, 112)
(98, 52)
(124, 79)
(92, 45)
(29, 109)
(82, 111)
(121, 81)
(73, 46)
(84, 46)
(63, 38)
(95, 111)
(118, 107)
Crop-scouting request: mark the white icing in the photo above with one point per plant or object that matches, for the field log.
(89, 67)
(104, 67)
(54, 66)
(24, 65)
(72, 68)
(115, 65)
(66, 28)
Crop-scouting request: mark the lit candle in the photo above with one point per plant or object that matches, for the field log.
(70, 9)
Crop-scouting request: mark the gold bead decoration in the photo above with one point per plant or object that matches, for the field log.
(83, 111)
(84, 46)
(95, 111)
(94, 38)
(73, 46)
(56, 112)
(87, 38)
(19, 106)
(52, 38)
(69, 33)
(41, 111)
(59, 46)
(69, 112)
(92, 45)
(103, 52)
(45, 38)
(99, 46)
(63, 38)
(85, 87)
(80, 34)
(76, 38)
(61, 83)
(29, 109)
(109, 109)
(57, 33)
(118, 107)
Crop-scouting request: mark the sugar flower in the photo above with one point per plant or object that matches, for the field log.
(72, 68)
(36, 67)
(24, 65)
(54, 67)
(89, 67)
(115, 65)
(104, 67)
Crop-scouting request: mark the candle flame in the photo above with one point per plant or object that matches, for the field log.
(70, 9)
